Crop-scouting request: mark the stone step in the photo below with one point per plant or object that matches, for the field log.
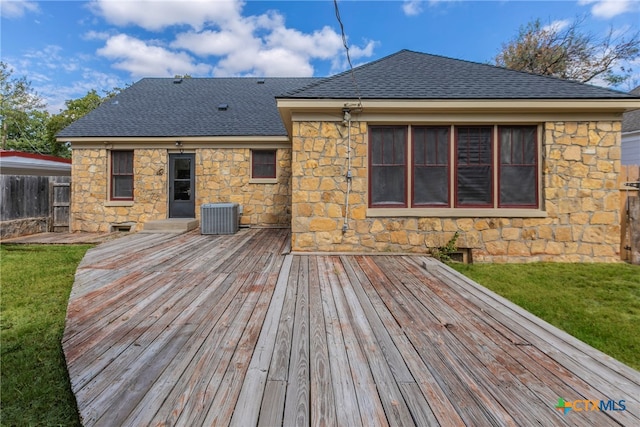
(171, 225)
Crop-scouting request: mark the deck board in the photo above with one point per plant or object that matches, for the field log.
(200, 330)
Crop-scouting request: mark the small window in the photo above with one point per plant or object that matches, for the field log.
(263, 164)
(388, 165)
(122, 175)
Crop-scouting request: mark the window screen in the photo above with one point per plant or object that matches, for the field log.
(431, 166)
(263, 164)
(518, 166)
(388, 165)
(122, 175)
(473, 162)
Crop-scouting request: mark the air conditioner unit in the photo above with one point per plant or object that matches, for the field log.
(219, 218)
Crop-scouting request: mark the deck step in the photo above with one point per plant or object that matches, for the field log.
(171, 225)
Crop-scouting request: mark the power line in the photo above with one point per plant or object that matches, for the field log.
(346, 47)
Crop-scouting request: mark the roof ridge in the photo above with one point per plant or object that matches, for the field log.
(504, 82)
(232, 78)
(518, 71)
(343, 73)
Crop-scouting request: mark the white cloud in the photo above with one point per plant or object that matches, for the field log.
(42, 68)
(556, 26)
(340, 63)
(17, 8)
(277, 62)
(157, 15)
(233, 44)
(234, 35)
(96, 35)
(323, 44)
(56, 94)
(141, 58)
(209, 42)
(610, 8)
(416, 7)
(365, 52)
(50, 58)
(412, 7)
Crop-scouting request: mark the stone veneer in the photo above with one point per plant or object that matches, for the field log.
(222, 175)
(581, 161)
(91, 209)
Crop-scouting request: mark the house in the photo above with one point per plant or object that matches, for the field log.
(395, 156)
(631, 135)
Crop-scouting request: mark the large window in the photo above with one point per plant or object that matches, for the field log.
(122, 175)
(263, 164)
(453, 167)
(388, 165)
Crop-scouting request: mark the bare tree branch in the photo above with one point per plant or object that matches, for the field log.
(569, 53)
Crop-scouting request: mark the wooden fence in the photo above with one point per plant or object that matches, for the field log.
(33, 204)
(630, 215)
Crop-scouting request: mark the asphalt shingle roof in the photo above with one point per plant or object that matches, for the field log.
(414, 75)
(158, 107)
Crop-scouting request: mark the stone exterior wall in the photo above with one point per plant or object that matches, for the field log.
(222, 175)
(580, 163)
(91, 210)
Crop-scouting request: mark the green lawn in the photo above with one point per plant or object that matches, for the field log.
(35, 285)
(596, 303)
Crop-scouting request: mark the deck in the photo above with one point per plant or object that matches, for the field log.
(193, 330)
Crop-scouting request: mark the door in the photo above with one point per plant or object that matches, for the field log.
(182, 193)
(59, 206)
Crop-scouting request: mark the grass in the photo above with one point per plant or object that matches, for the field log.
(596, 303)
(35, 285)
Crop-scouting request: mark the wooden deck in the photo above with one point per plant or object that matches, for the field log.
(195, 330)
(62, 238)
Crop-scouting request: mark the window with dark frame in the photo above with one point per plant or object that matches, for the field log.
(514, 164)
(518, 168)
(388, 166)
(430, 166)
(122, 175)
(474, 172)
(263, 164)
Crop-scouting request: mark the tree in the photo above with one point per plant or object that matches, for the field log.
(27, 126)
(75, 108)
(21, 111)
(569, 53)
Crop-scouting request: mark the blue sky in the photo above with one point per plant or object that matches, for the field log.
(66, 48)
